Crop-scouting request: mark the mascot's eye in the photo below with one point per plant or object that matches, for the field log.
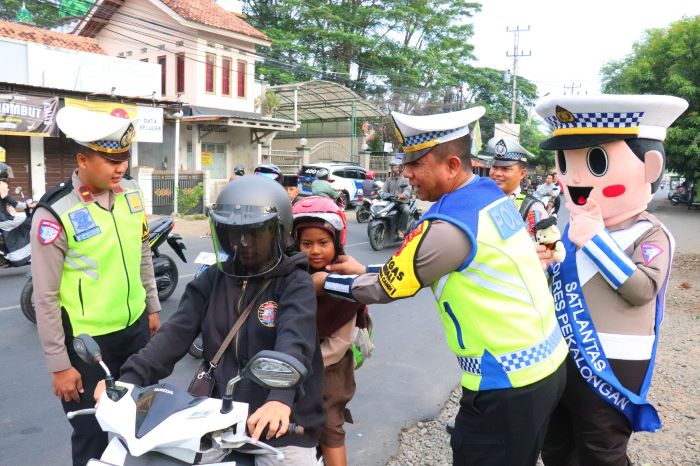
(561, 161)
(597, 161)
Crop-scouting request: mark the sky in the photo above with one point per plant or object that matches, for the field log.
(569, 41)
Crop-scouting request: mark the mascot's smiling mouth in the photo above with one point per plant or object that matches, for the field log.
(579, 194)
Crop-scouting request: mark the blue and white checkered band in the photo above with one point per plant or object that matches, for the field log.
(517, 360)
(511, 156)
(597, 120)
(113, 145)
(424, 137)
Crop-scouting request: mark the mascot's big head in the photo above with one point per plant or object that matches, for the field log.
(609, 148)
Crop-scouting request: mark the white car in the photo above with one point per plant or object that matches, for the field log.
(346, 178)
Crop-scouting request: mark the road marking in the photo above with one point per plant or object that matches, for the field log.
(9, 308)
(356, 244)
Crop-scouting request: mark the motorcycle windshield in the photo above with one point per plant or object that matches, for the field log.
(156, 403)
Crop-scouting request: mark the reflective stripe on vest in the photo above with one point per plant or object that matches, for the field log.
(517, 360)
(101, 287)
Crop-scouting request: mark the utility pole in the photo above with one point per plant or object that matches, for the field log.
(572, 87)
(516, 54)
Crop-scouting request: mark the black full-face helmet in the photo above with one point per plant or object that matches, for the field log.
(5, 172)
(239, 170)
(251, 226)
(269, 170)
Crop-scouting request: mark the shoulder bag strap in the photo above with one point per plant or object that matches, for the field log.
(237, 326)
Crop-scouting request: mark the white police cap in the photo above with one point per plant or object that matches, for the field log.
(582, 121)
(109, 135)
(420, 133)
(507, 152)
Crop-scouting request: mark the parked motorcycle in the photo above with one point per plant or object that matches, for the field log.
(166, 420)
(382, 228)
(164, 267)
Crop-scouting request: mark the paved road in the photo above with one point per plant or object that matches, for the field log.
(407, 379)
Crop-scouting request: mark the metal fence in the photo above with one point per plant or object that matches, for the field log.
(289, 161)
(164, 190)
(327, 151)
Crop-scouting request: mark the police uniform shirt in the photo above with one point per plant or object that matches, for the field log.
(443, 248)
(624, 316)
(47, 283)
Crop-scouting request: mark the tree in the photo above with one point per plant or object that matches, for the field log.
(530, 137)
(666, 61)
(44, 14)
(409, 54)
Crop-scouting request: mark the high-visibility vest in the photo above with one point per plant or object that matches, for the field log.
(101, 288)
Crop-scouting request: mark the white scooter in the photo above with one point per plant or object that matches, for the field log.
(167, 420)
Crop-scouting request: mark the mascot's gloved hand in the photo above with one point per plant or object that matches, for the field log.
(585, 222)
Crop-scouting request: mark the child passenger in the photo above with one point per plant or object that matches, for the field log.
(319, 231)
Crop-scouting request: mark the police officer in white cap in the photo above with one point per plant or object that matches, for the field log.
(472, 249)
(508, 169)
(610, 289)
(92, 268)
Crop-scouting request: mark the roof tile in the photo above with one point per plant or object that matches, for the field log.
(207, 12)
(59, 40)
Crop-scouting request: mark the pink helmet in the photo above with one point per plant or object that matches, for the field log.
(320, 212)
(369, 175)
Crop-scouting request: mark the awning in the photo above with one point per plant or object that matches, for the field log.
(197, 114)
(322, 100)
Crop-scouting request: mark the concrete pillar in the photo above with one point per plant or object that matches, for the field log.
(196, 147)
(207, 190)
(135, 154)
(364, 159)
(37, 167)
(144, 177)
(304, 153)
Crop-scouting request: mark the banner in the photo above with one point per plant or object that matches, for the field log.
(148, 121)
(28, 115)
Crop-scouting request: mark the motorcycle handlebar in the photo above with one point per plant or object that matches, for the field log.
(81, 412)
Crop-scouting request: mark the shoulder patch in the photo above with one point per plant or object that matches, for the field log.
(398, 277)
(48, 231)
(506, 218)
(650, 251)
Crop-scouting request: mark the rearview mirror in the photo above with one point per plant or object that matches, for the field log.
(87, 349)
(272, 369)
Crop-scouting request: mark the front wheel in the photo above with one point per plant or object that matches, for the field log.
(674, 200)
(168, 279)
(376, 233)
(362, 214)
(26, 302)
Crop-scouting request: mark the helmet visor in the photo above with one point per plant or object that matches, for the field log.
(247, 240)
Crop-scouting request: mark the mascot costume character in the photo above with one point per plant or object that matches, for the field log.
(609, 291)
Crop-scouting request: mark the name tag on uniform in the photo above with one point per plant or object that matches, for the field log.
(83, 224)
(134, 201)
(506, 218)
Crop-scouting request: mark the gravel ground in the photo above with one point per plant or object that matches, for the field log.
(675, 389)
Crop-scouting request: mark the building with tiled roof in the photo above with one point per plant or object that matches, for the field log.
(26, 33)
(209, 13)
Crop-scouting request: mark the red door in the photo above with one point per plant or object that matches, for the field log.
(58, 160)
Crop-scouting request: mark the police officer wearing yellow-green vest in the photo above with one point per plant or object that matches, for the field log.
(92, 268)
(472, 249)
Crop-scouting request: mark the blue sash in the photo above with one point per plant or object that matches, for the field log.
(587, 352)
